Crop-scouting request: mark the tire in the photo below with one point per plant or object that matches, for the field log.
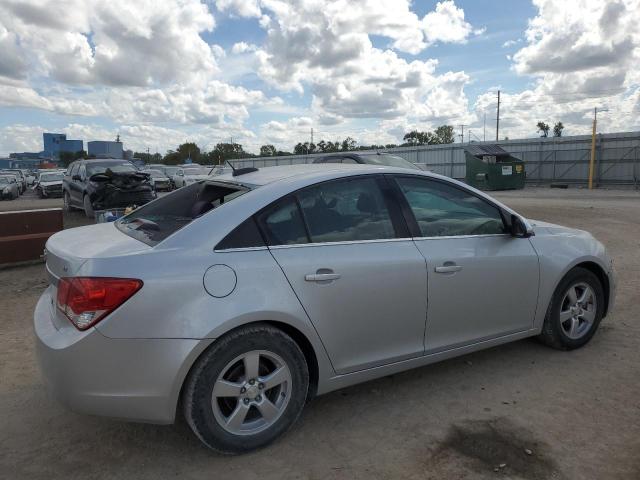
(88, 208)
(211, 418)
(565, 333)
(66, 202)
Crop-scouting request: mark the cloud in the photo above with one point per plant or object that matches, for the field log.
(447, 24)
(327, 48)
(243, 8)
(580, 54)
(111, 43)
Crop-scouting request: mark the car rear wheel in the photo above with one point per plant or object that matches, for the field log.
(575, 311)
(88, 208)
(246, 390)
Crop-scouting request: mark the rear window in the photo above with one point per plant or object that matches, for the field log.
(155, 221)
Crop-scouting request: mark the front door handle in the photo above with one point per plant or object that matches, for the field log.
(448, 268)
(321, 277)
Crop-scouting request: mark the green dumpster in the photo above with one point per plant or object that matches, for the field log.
(490, 167)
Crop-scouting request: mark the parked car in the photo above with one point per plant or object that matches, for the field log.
(188, 175)
(102, 184)
(377, 158)
(20, 178)
(15, 178)
(49, 184)
(8, 187)
(159, 180)
(240, 297)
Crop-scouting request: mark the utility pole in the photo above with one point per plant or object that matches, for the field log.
(462, 133)
(484, 127)
(593, 148)
(311, 135)
(498, 117)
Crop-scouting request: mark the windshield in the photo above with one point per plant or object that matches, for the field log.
(93, 168)
(51, 177)
(4, 181)
(155, 221)
(155, 173)
(388, 160)
(170, 171)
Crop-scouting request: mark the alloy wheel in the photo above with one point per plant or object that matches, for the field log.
(578, 310)
(251, 392)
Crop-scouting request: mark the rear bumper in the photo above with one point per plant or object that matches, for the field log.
(131, 379)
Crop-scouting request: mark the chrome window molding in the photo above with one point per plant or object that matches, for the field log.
(240, 249)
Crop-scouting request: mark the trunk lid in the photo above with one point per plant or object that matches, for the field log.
(68, 250)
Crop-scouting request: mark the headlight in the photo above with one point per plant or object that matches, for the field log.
(5, 190)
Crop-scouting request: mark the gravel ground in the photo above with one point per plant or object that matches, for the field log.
(577, 412)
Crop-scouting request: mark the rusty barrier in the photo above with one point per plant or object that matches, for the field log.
(24, 233)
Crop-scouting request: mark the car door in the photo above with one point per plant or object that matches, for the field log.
(483, 282)
(344, 248)
(74, 186)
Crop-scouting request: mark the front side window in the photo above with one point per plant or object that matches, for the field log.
(346, 210)
(444, 210)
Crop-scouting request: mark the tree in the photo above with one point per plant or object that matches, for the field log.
(543, 129)
(267, 151)
(227, 151)
(148, 157)
(304, 148)
(444, 134)
(189, 150)
(65, 158)
(348, 144)
(557, 129)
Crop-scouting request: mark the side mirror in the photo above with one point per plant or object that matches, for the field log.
(76, 177)
(519, 228)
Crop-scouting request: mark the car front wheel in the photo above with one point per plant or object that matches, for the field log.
(88, 208)
(575, 311)
(246, 390)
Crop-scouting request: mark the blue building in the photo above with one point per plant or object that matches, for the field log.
(105, 149)
(54, 143)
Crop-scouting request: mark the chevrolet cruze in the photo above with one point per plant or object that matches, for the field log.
(236, 299)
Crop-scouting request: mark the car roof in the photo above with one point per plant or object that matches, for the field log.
(309, 171)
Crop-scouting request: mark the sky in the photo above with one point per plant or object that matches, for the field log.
(163, 72)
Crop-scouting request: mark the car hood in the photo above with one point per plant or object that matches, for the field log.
(546, 228)
(50, 184)
(69, 249)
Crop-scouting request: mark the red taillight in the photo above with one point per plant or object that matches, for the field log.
(87, 300)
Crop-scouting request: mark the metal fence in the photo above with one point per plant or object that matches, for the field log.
(547, 160)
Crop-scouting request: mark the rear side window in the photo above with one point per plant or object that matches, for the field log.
(283, 224)
(245, 235)
(444, 210)
(155, 221)
(346, 210)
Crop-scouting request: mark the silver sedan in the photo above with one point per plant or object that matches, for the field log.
(240, 297)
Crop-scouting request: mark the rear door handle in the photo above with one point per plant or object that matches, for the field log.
(448, 268)
(321, 277)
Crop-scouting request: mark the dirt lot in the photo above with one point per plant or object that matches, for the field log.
(578, 412)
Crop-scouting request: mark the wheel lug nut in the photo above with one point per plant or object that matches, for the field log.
(252, 381)
(258, 398)
(261, 386)
(243, 390)
(246, 400)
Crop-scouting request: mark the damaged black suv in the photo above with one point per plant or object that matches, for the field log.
(102, 184)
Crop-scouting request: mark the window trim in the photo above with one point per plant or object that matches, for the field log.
(410, 218)
(400, 228)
